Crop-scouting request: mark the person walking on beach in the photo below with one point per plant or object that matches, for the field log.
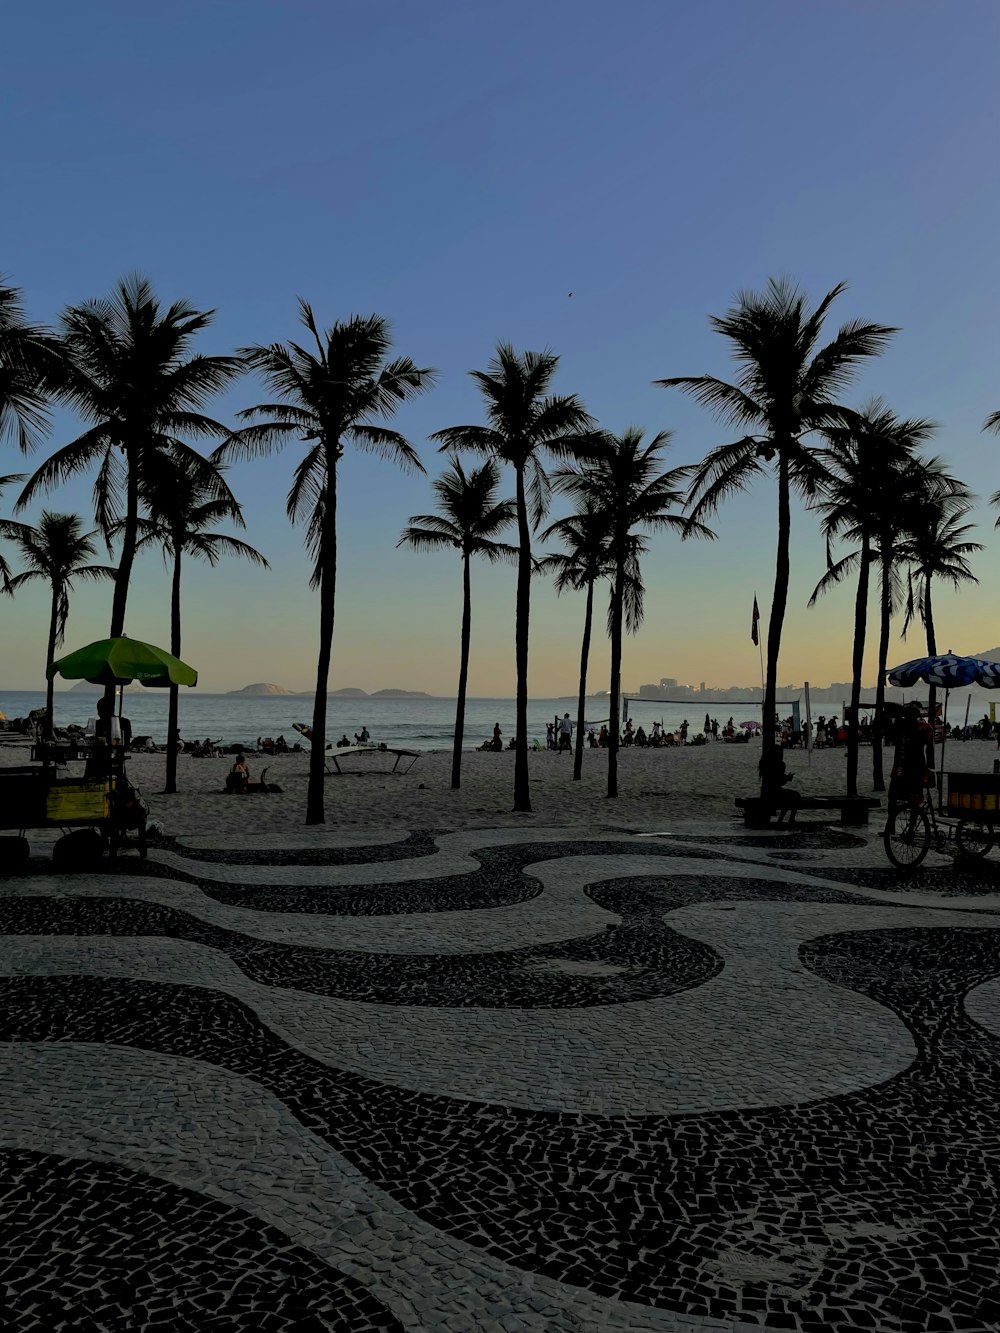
(497, 734)
(565, 732)
(684, 732)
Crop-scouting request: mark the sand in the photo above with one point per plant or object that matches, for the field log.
(658, 788)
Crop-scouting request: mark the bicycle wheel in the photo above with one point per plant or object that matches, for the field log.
(973, 840)
(907, 836)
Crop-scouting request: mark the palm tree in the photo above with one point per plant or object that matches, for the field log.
(915, 483)
(623, 481)
(525, 423)
(470, 518)
(862, 459)
(30, 364)
(182, 508)
(4, 567)
(585, 535)
(58, 552)
(330, 397)
(130, 373)
(936, 545)
(785, 390)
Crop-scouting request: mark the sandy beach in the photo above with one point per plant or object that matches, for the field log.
(657, 787)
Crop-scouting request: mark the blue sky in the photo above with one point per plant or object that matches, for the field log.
(462, 168)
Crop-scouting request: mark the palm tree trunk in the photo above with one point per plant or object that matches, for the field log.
(931, 648)
(315, 813)
(860, 633)
(50, 658)
(463, 674)
(878, 725)
(522, 795)
(582, 704)
(614, 731)
(778, 602)
(130, 533)
(170, 785)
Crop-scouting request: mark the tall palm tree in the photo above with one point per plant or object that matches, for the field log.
(526, 422)
(624, 482)
(586, 558)
(786, 389)
(331, 397)
(182, 509)
(936, 545)
(470, 518)
(862, 458)
(129, 371)
(915, 483)
(57, 552)
(30, 364)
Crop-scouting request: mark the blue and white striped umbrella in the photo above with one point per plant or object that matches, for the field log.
(947, 672)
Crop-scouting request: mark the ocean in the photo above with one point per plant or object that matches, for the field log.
(420, 724)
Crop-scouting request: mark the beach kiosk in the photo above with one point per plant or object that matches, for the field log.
(102, 798)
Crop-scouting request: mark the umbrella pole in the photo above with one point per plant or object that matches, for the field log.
(944, 738)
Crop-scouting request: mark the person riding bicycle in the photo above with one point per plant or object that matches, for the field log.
(913, 761)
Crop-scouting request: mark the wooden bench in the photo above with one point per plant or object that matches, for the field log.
(854, 810)
(346, 751)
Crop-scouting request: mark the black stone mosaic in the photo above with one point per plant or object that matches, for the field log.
(498, 882)
(960, 878)
(643, 962)
(90, 1247)
(645, 896)
(422, 842)
(874, 1209)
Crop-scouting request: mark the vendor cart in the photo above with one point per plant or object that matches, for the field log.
(973, 801)
(37, 797)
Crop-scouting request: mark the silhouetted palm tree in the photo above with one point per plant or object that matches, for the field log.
(57, 552)
(183, 508)
(916, 482)
(785, 390)
(623, 481)
(862, 459)
(330, 398)
(470, 518)
(586, 536)
(31, 360)
(936, 545)
(4, 567)
(130, 373)
(526, 422)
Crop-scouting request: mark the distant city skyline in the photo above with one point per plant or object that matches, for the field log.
(538, 191)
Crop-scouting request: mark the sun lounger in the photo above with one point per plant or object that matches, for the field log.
(334, 756)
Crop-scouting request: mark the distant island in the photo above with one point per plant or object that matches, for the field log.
(348, 692)
(400, 694)
(262, 687)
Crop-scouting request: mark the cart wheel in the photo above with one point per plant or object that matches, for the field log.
(974, 840)
(907, 836)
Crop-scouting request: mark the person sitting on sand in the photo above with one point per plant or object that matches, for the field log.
(640, 736)
(343, 743)
(239, 775)
(281, 746)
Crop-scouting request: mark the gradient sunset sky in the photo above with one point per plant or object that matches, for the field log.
(462, 168)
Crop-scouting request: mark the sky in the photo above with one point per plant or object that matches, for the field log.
(596, 179)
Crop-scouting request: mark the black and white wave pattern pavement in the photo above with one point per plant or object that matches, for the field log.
(503, 1081)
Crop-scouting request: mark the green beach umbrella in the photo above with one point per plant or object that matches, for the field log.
(121, 661)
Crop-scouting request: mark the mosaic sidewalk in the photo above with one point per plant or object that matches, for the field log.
(502, 1081)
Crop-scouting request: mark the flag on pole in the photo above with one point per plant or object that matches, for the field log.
(754, 632)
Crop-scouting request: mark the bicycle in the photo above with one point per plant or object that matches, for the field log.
(912, 828)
